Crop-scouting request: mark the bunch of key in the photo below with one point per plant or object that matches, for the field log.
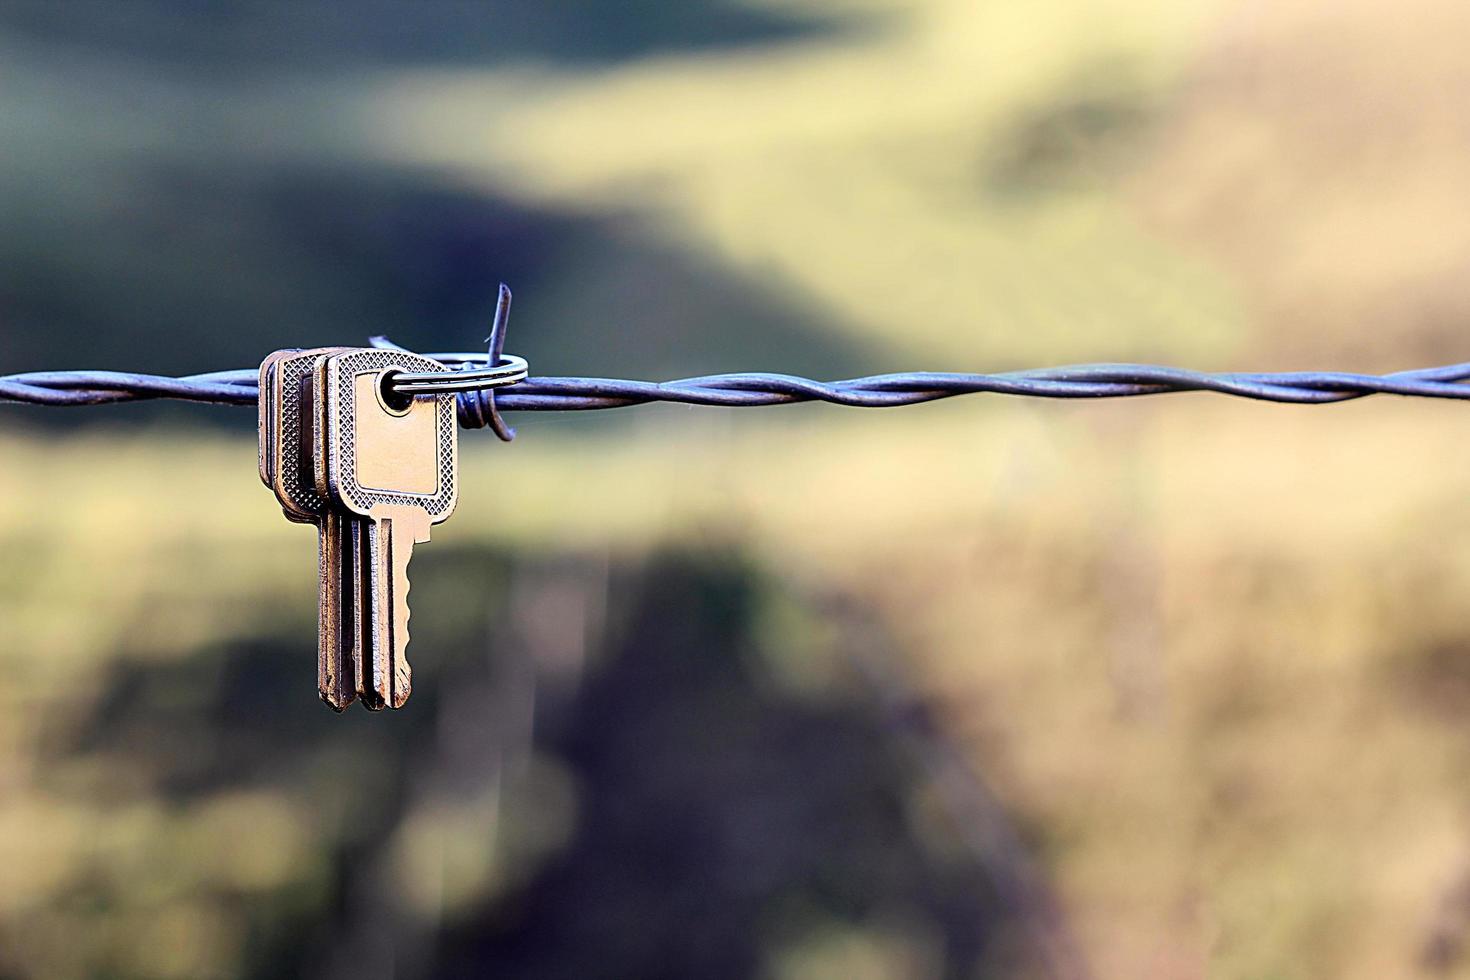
(373, 471)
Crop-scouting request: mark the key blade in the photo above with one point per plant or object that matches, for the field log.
(365, 646)
(349, 637)
(334, 672)
(393, 533)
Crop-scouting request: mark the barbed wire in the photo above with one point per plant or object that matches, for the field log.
(501, 384)
(559, 394)
(551, 394)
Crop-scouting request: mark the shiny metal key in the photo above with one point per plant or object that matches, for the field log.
(357, 591)
(396, 466)
(287, 441)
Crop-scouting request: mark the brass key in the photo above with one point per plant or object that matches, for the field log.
(288, 423)
(395, 464)
(357, 595)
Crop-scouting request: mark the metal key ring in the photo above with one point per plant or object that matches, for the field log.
(510, 370)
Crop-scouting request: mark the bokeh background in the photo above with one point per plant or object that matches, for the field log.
(990, 688)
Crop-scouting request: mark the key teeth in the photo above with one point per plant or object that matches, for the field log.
(402, 681)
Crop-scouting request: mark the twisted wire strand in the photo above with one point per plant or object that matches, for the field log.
(540, 394)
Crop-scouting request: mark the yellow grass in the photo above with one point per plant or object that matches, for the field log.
(1211, 655)
(1197, 645)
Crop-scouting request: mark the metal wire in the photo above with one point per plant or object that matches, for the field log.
(543, 394)
(476, 376)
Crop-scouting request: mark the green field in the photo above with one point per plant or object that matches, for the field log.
(1166, 688)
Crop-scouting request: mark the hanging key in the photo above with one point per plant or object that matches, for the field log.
(394, 462)
(287, 443)
(357, 595)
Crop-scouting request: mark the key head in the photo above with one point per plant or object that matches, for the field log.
(292, 468)
(266, 420)
(378, 457)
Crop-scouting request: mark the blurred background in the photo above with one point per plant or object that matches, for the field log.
(990, 688)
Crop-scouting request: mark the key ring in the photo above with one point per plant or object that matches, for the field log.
(501, 369)
(508, 371)
(475, 386)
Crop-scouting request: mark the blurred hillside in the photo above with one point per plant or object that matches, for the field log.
(187, 186)
(988, 688)
(672, 189)
(336, 180)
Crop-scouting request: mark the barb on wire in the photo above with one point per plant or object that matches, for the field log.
(477, 377)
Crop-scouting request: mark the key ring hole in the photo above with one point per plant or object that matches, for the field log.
(393, 402)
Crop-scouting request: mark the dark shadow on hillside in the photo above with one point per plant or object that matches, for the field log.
(715, 817)
(316, 35)
(190, 196)
(217, 266)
